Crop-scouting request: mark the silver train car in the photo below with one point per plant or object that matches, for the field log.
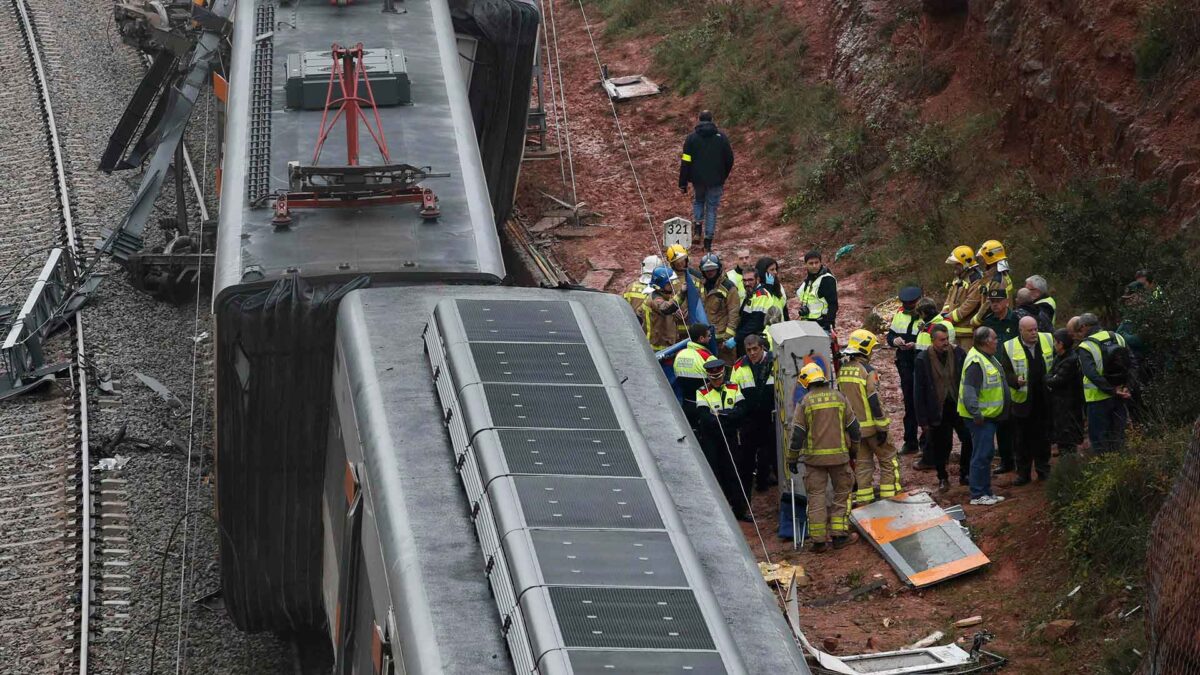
(518, 472)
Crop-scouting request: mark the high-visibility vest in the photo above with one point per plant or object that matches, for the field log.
(1016, 354)
(736, 277)
(821, 404)
(763, 300)
(690, 360)
(907, 324)
(1049, 302)
(817, 306)
(743, 376)
(717, 400)
(636, 294)
(1092, 393)
(991, 394)
(854, 380)
(925, 337)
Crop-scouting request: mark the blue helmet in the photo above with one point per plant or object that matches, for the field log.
(661, 277)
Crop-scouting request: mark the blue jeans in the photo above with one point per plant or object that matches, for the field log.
(705, 200)
(1106, 424)
(983, 449)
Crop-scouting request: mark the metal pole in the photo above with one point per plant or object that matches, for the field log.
(350, 93)
(795, 534)
(181, 224)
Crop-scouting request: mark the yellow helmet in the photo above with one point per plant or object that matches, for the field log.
(675, 252)
(811, 374)
(862, 341)
(991, 252)
(962, 255)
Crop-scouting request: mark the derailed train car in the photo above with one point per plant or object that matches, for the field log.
(518, 472)
(299, 228)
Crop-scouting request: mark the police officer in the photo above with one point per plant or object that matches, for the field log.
(721, 409)
(821, 424)
(689, 368)
(902, 335)
(754, 373)
(858, 382)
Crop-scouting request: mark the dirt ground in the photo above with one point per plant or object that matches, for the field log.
(1026, 571)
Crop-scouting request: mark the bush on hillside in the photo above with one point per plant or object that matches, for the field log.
(1099, 232)
(1105, 505)
(1168, 36)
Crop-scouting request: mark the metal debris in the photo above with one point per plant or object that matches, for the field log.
(160, 389)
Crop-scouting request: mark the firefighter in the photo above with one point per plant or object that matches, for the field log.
(721, 408)
(964, 295)
(995, 275)
(858, 381)
(821, 424)
(689, 368)
(721, 303)
(660, 311)
(640, 288)
(677, 260)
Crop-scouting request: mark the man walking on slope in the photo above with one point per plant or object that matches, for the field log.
(706, 162)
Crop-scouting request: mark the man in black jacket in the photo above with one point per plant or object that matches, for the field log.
(938, 371)
(706, 162)
(754, 373)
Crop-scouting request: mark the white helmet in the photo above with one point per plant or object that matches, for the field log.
(650, 262)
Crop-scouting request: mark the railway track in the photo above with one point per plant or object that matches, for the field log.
(45, 500)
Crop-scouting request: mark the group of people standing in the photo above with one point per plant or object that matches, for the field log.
(1002, 379)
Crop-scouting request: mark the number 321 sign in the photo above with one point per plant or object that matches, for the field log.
(677, 231)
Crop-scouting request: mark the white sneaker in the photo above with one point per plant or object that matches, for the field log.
(986, 500)
(998, 498)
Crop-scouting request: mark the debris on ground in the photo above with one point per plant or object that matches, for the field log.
(968, 622)
(625, 87)
(160, 389)
(849, 594)
(928, 640)
(918, 538)
(783, 573)
(114, 463)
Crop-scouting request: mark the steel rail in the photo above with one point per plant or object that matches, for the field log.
(63, 188)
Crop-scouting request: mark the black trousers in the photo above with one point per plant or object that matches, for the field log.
(1031, 443)
(718, 453)
(907, 370)
(758, 444)
(1005, 433)
(940, 438)
(965, 444)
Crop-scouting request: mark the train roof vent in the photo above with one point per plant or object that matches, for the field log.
(590, 567)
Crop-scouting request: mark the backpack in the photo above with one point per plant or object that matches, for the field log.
(1118, 360)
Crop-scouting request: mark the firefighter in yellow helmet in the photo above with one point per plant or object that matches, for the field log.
(964, 294)
(994, 261)
(677, 260)
(858, 382)
(823, 429)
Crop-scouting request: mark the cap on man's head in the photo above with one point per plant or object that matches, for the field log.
(714, 365)
(705, 115)
(910, 294)
(997, 294)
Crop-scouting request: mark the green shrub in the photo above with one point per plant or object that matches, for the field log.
(1168, 36)
(1161, 328)
(1105, 505)
(1099, 232)
(927, 152)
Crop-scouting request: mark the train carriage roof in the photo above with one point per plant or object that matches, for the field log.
(389, 242)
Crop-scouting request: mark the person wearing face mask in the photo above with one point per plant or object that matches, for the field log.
(818, 292)
(766, 305)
